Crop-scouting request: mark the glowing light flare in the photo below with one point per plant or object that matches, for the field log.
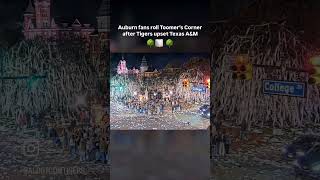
(315, 60)
(242, 59)
(208, 82)
(185, 83)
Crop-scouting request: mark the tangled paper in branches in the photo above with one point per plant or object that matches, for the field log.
(278, 54)
(38, 76)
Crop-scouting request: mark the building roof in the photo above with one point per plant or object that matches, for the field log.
(104, 9)
(152, 69)
(78, 21)
(30, 8)
(144, 62)
(63, 20)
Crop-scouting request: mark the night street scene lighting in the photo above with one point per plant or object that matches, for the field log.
(159, 91)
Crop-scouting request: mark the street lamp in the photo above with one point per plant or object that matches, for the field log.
(135, 93)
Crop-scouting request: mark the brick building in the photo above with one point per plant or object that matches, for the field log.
(40, 22)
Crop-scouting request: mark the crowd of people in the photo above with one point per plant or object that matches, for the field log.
(221, 144)
(152, 106)
(221, 140)
(81, 138)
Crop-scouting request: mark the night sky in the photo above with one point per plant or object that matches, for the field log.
(148, 12)
(166, 12)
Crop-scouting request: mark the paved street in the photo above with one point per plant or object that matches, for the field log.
(245, 168)
(122, 118)
(25, 157)
(258, 158)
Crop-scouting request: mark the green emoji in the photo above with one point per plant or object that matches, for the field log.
(169, 43)
(150, 42)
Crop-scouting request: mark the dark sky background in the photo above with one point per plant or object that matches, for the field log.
(223, 9)
(148, 12)
(154, 60)
(166, 12)
(11, 15)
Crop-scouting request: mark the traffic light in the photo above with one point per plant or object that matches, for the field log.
(208, 83)
(185, 83)
(314, 70)
(242, 69)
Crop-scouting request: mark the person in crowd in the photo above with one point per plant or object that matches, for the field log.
(81, 116)
(158, 108)
(97, 149)
(220, 118)
(87, 117)
(161, 108)
(103, 149)
(38, 128)
(77, 140)
(213, 129)
(215, 145)
(56, 137)
(23, 121)
(243, 130)
(89, 148)
(65, 138)
(221, 144)
(84, 134)
(50, 131)
(44, 129)
(28, 120)
(72, 146)
(33, 120)
(73, 123)
(82, 149)
(19, 121)
(227, 142)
